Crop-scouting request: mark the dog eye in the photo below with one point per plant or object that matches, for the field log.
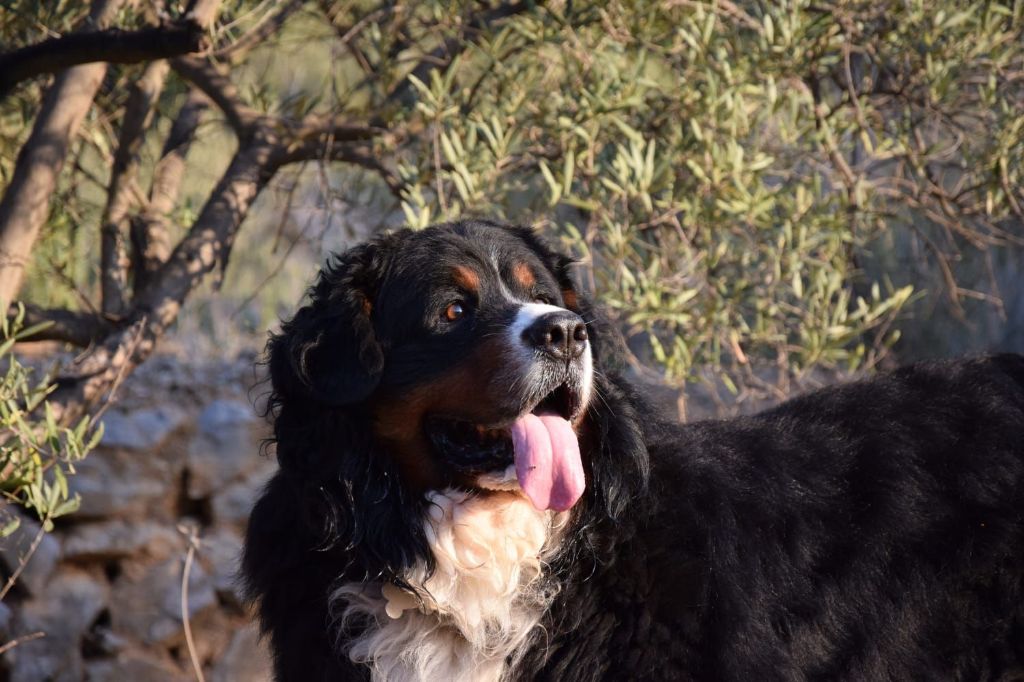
(541, 298)
(454, 311)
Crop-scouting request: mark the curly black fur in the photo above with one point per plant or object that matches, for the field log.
(870, 531)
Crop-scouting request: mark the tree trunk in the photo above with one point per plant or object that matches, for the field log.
(138, 114)
(25, 203)
(95, 374)
(150, 231)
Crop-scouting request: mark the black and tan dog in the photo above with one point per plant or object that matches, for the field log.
(468, 491)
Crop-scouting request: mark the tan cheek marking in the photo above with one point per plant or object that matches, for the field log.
(396, 423)
(398, 419)
(466, 277)
(523, 275)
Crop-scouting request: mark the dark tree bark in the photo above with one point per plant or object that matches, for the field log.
(112, 45)
(138, 115)
(80, 329)
(96, 372)
(150, 236)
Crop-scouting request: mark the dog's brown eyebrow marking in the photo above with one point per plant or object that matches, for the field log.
(569, 296)
(466, 277)
(521, 271)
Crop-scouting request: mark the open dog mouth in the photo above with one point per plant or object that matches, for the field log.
(540, 442)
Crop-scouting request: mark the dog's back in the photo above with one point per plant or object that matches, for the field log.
(869, 531)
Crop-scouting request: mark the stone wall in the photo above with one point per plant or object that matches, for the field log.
(181, 454)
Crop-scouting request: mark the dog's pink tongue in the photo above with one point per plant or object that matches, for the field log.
(548, 462)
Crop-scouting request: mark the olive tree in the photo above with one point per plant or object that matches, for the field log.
(724, 171)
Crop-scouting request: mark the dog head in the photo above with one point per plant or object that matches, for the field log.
(465, 351)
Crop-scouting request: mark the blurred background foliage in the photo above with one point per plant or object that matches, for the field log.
(753, 189)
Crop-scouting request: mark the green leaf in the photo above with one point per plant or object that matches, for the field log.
(568, 170)
(11, 524)
(554, 186)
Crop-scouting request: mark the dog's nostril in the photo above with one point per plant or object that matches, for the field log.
(579, 334)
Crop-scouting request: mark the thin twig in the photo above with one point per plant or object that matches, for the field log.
(70, 283)
(21, 640)
(23, 562)
(215, 83)
(193, 544)
(287, 210)
(275, 271)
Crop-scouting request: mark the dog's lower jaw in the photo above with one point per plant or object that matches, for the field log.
(471, 616)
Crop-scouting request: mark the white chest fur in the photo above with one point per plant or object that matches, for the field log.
(477, 608)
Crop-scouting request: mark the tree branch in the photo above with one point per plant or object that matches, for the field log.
(366, 157)
(151, 245)
(265, 144)
(313, 136)
(112, 45)
(77, 328)
(270, 24)
(333, 138)
(207, 245)
(316, 136)
(138, 115)
(209, 241)
(216, 85)
(444, 54)
(360, 154)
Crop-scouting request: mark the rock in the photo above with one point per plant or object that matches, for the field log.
(233, 503)
(105, 587)
(146, 600)
(245, 660)
(123, 483)
(120, 539)
(5, 622)
(102, 642)
(220, 554)
(211, 634)
(42, 562)
(225, 449)
(72, 601)
(142, 430)
(221, 414)
(134, 667)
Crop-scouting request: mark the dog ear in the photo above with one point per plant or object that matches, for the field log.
(329, 351)
(562, 265)
(575, 300)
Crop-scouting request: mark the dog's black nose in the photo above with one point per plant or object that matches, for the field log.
(562, 335)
